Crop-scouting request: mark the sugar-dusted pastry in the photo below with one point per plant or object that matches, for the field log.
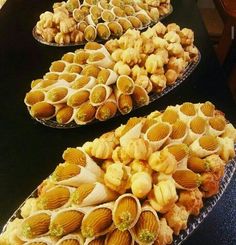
(92, 194)
(141, 184)
(163, 161)
(177, 218)
(147, 228)
(126, 211)
(191, 200)
(165, 235)
(163, 196)
(117, 177)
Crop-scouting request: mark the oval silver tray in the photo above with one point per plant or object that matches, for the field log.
(153, 97)
(41, 40)
(193, 221)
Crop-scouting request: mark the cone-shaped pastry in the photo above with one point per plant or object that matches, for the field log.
(103, 31)
(197, 127)
(191, 200)
(165, 235)
(45, 240)
(187, 111)
(85, 113)
(95, 241)
(95, 11)
(135, 21)
(143, 17)
(68, 77)
(206, 110)
(80, 157)
(179, 132)
(73, 68)
(35, 225)
(42, 110)
(126, 212)
(52, 75)
(54, 198)
(65, 115)
(138, 149)
(107, 15)
(216, 125)
(66, 221)
(125, 84)
(68, 57)
(99, 94)
(90, 33)
(147, 124)
(94, 47)
(163, 161)
(77, 98)
(147, 227)
(186, 179)
(81, 57)
(124, 102)
(180, 152)
(140, 96)
(90, 70)
(115, 28)
(106, 76)
(46, 84)
(71, 239)
(117, 177)
(125, 23)
(177, 218)
(107, 110)
(99, 59)
(73, 175)
(157, 134)
(83, 82)
(226, 151)
(57, 95)
(92, 194)
(119, 237)
(198, 165)
(34, 96)
(98, 221)
(57, 66)
(141, 184)
(132, 130)
(163, 196)
(204, 146)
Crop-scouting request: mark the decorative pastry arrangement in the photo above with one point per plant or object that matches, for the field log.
(99, 80)
(137, 184)
(75, 22)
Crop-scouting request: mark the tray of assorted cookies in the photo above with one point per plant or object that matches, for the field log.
(76, 22)
(100, 81)
(150, 181)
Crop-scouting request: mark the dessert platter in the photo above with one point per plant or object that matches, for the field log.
(100, 81)
(149, 181)
(75, 22)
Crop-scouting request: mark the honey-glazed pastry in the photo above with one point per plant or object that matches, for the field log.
(159, 82)
(117, 177)
(187, 111)
(163, 195)
(119, 237)
(126, 211)
(143, 17)
(74, 238)
(210, 184)
(141, 184)
(125, 84)
(229, 132)
(186, 179)
(90, 33)
(163, 161)
(122, 68)
(177, 218)
(112, 45)
(66, 221)
(191, 200)
(179, 132)
(97, 221)
(165, 235)
(45, 186)
(57, 95)
(153, 63)
(170, 115)
(199, 165)
(62, 38)
(99, 59)
(92, 194)
(101, 149)
(73, 175)
(226, 151)
(147, 228)
(42, 110)
(95, 11)
(157, 134)
(29, 207)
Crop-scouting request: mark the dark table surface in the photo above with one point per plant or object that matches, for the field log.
(29, 151)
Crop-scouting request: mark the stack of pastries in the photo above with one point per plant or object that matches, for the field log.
(99, 80)
(78, 21)
(137, 184)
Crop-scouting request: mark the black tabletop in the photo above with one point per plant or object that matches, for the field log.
(29, 151)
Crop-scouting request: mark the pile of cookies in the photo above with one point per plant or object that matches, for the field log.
(137, 184)
(99, 80)
(77, 21)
